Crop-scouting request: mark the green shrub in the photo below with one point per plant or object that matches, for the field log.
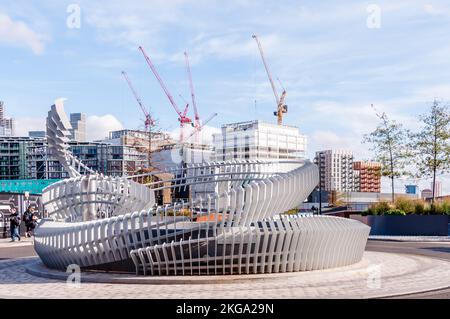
(377, 209)
(439, 208)
(419, 207)
(381, 208)
(445, 207)
(406, 205)
(395, 212)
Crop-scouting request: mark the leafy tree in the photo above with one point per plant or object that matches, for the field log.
(390, 147)
(431, 145)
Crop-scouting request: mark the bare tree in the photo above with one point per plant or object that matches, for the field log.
(389, 145)
(431, 145)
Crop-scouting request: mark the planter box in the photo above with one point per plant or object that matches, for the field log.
(410, 225)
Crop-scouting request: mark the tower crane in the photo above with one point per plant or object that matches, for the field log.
(281, 106)
(182, 116)
(198, 124)
(197, 131)
(148, 122)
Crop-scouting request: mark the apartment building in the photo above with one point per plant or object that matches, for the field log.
(367, 176)
(336, 170)
(28, 158)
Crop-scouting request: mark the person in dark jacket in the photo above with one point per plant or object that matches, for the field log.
(30, 221)
(14, 223)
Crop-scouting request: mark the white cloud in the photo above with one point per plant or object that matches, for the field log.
(98, 127)
(19, 34)
(25, 124)
(204, 138)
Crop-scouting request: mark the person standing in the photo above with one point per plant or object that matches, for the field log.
(30, 221)
(14, 223)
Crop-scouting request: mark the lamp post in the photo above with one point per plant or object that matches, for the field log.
(320, 186)
(26, 195)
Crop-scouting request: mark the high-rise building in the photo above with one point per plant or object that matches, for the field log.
(259, 140)
(6, 124)
(78, 123)
(336, 171)
(368, 176)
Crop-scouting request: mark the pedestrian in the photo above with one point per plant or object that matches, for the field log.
(30, 221)
(14, 223)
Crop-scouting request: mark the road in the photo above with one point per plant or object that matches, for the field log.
(439, 250)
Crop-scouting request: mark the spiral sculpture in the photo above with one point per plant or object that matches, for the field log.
(235, 221)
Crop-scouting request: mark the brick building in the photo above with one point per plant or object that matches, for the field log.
(368, 176)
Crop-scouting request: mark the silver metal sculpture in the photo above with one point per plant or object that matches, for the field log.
(234, 222)
(58, 137)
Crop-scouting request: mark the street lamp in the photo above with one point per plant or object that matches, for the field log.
(320, 186)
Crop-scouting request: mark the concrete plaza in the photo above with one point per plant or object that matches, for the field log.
(380, 274)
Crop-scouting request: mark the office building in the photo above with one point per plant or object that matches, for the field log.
(78, 123)
(367, 176)
(259, 140)
(336, 171)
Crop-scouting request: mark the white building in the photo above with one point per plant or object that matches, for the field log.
(336, 171)
(259, 140)
(78, 123)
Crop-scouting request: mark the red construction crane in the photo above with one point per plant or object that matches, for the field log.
(182, 116)
(281, 107)
(148, 119)
(149, 122)
(191, 85)
(198, 124)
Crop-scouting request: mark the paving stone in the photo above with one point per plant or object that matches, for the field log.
(399, 274)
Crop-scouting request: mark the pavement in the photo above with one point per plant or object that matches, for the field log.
(411, 238)
(17, 249)
(438, 250)
(388, 270)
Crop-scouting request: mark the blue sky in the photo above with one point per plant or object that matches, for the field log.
(332, 65)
